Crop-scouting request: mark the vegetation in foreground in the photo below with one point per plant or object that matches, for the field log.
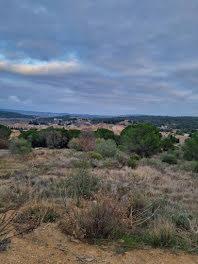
(125, 190)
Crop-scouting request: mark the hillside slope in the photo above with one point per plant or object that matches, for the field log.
(5, 114)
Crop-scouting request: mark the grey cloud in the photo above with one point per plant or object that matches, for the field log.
(113, 57)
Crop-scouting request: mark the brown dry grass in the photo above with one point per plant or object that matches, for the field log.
(166, 182)
(154, 180)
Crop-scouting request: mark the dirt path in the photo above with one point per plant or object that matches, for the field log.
(47, 245)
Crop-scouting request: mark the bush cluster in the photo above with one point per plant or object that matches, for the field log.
(107, 148)
(20, 146)
(50, 137)
(169, 158)
(132, 161)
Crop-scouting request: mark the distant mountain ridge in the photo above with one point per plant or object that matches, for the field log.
(51, 114)
(7, 114)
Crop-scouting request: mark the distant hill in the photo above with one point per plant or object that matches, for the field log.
(51, 114)
(32, 113)
(5, 114)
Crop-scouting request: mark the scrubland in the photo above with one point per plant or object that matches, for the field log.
(137, 192)
(100, 202)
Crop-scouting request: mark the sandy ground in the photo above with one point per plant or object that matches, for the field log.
(47, 245)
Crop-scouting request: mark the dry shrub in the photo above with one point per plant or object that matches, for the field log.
(101, 219)
(7, 217)
(32, 215)
(87, 141)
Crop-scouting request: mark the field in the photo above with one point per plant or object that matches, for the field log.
(50, 225)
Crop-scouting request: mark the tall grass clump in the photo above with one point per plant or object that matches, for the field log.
(81, 184)
(163, 233)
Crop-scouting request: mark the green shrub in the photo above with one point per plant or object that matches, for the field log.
(169, 158)
(182, 221)
(132, 163)
(107, 164)
(20, 146)
(4, 132)
(106, 148)
(190, 147)
(188, 165)
(121, 157)
(99, 140)
(74, 143)
(81, 184)
(178, 153)
(167, 144)
(122, 148)
(135, 156)
(94, 155)
(195, 169)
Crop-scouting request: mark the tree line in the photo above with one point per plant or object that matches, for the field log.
(143, 139)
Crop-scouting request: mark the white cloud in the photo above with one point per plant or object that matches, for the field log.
(45, 69)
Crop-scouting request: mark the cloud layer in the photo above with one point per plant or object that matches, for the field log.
(99, 57)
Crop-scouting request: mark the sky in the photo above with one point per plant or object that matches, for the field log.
(109, 57)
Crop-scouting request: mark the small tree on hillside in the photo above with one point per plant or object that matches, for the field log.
(167, 144)
(190, 147)
(104, 133)
(143, 139)
(4, 132)
(4, 136)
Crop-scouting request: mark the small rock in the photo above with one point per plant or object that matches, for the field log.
(89, 259)
(75, 240)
